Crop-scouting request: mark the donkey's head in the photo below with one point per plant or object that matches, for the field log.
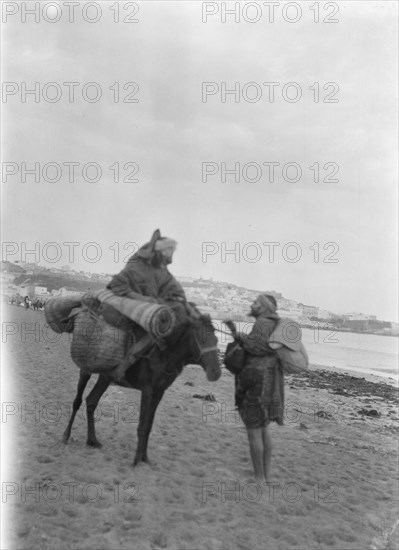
(203, 345)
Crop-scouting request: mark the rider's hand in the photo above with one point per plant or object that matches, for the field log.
(232, 327)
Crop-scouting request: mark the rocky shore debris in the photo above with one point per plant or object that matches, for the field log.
(369, 412)
(207, 397)
(343, 384)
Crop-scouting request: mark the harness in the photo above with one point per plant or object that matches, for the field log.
(203, 351)
(223, 331)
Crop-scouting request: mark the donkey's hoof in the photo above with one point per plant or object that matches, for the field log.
(141, 462)
(94, 443)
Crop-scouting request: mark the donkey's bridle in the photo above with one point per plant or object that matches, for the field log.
(203, 351)
(194, 314)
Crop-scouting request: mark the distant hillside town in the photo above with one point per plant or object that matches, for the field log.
(221, 300)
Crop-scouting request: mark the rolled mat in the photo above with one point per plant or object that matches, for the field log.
(57, 312)
(156, 319)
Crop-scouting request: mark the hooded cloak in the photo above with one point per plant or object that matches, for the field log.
(145, 275)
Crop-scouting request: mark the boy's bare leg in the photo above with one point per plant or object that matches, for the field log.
(267, 452)
(257, 452)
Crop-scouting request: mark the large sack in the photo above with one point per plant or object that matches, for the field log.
(156, 319)
(97, 346)
(288, 333)
(290, 351)
(293, 362)
(57, 311)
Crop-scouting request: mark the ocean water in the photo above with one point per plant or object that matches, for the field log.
(370, 354)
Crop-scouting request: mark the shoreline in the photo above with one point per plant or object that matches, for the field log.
(377, 392)
(321, 325)
(374, 378)
(390, 374)
(356, 373)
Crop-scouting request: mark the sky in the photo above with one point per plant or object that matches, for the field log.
(335, 242)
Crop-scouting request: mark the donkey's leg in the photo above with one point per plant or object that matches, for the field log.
(156, 398)
(149, 403)
(84, 377)
(91, 404)
(142, 429)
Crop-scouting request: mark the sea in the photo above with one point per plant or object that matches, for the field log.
(369, 355)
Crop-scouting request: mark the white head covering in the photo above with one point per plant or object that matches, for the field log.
(165, 243)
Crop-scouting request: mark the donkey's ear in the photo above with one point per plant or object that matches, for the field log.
(206, 318)
(192, 311)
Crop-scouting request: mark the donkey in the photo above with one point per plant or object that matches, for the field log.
(195, 343)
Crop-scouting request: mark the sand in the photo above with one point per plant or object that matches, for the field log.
(334, 469)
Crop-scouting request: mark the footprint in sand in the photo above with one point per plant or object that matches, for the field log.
(69, 510)
(159, 541)
(23, 531)
(44, 459)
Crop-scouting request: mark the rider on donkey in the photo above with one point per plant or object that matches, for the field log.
(147, 278)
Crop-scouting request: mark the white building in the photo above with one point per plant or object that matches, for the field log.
(6, 278)
(294, 313)
(40, 290)
(69, 291)
(324, 314)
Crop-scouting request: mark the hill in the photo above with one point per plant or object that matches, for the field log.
(8, 267)
(55, 282)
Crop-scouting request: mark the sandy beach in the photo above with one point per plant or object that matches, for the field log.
(334, 465)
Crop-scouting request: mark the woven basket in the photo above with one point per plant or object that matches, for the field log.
(57, 311)
(97, 346)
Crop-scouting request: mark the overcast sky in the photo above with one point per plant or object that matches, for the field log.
(173, 130)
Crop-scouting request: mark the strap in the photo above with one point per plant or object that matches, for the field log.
(208, 350)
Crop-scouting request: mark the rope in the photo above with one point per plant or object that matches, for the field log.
(223, 331)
